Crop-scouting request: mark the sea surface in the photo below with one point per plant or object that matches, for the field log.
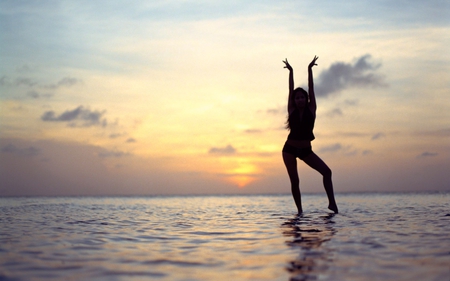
(399, 236)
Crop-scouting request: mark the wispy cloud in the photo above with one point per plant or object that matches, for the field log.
(347, 150)
(339, 110)
(253, 131)
(426, 154)
(32, 83)
(334, 112)
(29, 151)
(116, 135)
(64, 82)
(24, 68)
(331, 148)
(24, 81)
(378, 136)
(4, 81)
(36, 95)
(87, 117)
(441, 133)
(340, 76)
(352, 134)
(112, 154)
(353, 102)
(276, 111)
(229, 149)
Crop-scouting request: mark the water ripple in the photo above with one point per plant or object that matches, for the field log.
(390, 236)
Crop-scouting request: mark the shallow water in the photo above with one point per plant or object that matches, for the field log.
(374, 237)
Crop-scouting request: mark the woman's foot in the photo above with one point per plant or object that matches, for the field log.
(333, 207)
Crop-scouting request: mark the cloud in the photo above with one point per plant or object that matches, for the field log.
(85, 115)
(351, 102)
(64, 82)
(276, 111)
(253, 131)
(442, 133)
(351, 134)
(23, 81)
(335, 112)
(378, 136)
(222, 150)
(115, 135)
(426, 154)
(331, 148)
(37, 95)
(130, 140)
(4, 81)
(337, 147)
(24, 68)
(29, 151)
(28, 82)
(112, 154)
(341, 76)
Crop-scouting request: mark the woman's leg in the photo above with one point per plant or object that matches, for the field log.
(317, 164)
(290, 161)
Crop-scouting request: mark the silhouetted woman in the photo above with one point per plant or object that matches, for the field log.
(302, 114)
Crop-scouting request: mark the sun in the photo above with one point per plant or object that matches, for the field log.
(244, 174)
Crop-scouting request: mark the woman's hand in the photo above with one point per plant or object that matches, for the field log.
(313, 62)
(287, 65)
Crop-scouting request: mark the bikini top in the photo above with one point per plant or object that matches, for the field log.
(301, 129)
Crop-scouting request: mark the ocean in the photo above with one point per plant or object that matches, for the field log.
(376, 236)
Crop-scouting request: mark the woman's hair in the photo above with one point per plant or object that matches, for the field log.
(298, 90)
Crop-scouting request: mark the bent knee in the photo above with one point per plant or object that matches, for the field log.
(327, 173)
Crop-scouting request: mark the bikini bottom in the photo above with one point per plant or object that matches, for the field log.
(296, 151)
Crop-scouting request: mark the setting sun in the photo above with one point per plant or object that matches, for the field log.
(244, 172)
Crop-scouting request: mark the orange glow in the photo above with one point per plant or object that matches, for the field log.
(241, 180)
(243, 174)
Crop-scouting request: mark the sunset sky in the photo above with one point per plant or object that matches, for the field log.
(189, 97)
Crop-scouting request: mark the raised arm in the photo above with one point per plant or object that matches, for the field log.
(312, 97)
(291, 105)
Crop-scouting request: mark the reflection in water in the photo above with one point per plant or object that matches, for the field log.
(308, 233)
